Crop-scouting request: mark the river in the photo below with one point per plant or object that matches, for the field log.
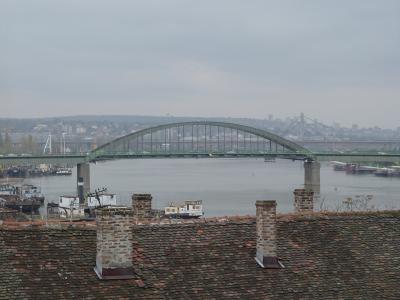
(226, 186)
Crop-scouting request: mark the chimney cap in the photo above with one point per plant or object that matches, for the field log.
(266, 203)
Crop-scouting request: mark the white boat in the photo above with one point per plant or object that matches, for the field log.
(358, 169)
(29, 191)
(104, 199)
(188, 209)
(7, 190)
(69, 207)
(338, 165)
(366, 169)
(64, 171)
(384, 172)
(396, 171)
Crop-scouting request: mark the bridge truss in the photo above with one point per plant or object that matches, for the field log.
(200, 138)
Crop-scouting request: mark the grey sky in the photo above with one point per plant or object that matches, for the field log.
(333, 60)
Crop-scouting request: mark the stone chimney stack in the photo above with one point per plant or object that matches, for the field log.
(303, 200)
(141, 204)
(114, 243)
(266, 255)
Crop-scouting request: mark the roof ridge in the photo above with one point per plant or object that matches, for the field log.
(246, 219)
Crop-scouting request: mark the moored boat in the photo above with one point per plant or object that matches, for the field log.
(359, 169)
(69, 207)
(384, 172)
(31, 192)
(338, 165)
(64, 171)
(99, 198)
(186, 210)
(25, 198)
(25, 206)
(7, 190)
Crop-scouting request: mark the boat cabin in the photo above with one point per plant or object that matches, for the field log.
(188, 209)
(105, 199)
(30, 191)
(69, 207)
(8, 189)
(64, 171)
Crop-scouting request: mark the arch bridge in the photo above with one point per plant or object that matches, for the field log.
(185, 139)
(200, 139)
(197, 139)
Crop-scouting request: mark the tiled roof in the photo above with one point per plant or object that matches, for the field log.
(337, 256)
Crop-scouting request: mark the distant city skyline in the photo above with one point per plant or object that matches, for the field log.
(334, 61)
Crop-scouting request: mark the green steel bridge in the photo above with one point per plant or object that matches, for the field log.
(198, 139)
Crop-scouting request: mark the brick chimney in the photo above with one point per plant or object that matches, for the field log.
(141, 204)
(266, 255)
(114, 243)
(303, 200)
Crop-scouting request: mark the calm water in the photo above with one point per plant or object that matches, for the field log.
(226, 186)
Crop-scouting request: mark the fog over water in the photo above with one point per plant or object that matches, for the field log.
(226, 186)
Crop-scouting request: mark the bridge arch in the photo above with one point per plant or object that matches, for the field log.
(213, 137)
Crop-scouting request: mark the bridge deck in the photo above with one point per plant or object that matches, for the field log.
(70, 160)
(81, 158)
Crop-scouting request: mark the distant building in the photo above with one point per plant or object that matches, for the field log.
(80, 130)
(40, 128)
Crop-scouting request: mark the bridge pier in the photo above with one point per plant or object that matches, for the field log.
(312, 178)
(83, 180)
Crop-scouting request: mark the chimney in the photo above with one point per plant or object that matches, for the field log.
(141, 204)
(114, 243)
(266, 255)
(303, 200)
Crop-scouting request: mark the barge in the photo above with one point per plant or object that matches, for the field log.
(26, 198)
(186, 210)
(69, 206)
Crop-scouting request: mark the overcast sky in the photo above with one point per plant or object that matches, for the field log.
(337, 61)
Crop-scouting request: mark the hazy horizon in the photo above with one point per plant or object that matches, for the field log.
(334, 61)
